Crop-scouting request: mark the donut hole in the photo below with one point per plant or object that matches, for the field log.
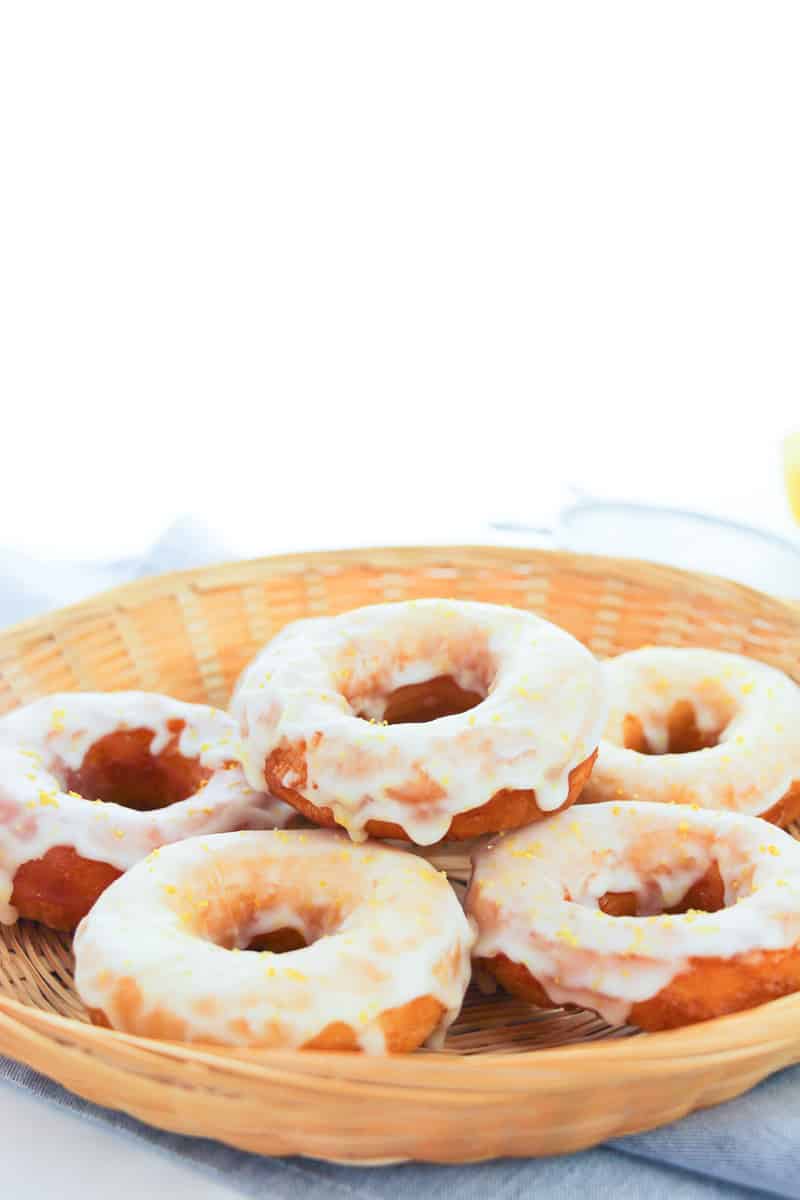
(707, 894)
(415, 674)
(248, 910)
(233, 928)
(416, 703)
(278, 941)
(681, 733)
(120, 769)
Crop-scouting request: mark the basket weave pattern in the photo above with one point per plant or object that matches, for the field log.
(510, 1080)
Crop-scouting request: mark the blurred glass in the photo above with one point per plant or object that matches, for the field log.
(685, 539)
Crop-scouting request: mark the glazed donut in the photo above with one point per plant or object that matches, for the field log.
(700, 727)
(423, 719)
(647, 913)
(90, 783)
(381, 959)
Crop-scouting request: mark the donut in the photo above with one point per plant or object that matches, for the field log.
(279, 939)
(422, 720)
(702, 727)
(650, 914)
(90, 783)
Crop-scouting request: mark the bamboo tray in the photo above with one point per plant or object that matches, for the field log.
(511, 1080)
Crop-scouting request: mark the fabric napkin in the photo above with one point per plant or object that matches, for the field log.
(749, 1146)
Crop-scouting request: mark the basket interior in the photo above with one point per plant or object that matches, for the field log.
(191, 633)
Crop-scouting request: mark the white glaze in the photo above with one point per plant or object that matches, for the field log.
(542, 716)
(42, 740)
(582, 956)
(758, 708)
(387, 928)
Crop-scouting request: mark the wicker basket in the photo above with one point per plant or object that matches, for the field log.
(511, 1080)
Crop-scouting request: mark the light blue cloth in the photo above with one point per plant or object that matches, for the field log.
(748, 1147)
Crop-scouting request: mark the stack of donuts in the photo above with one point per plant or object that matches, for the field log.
(244, 878)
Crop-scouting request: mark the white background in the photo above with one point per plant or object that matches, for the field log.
(336, 272)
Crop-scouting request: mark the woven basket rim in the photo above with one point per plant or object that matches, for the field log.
(776, 1023)
(204, 578)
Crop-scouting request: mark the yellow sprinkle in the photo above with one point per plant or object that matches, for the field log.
(747, 688)
(566, 935)
(683, 827)
(525, 853)
(296, 975)
(76, 796)
(57, 720)
(617, 810)
(48, 799)
(773, 850)
(170, 889)
(118, 833)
